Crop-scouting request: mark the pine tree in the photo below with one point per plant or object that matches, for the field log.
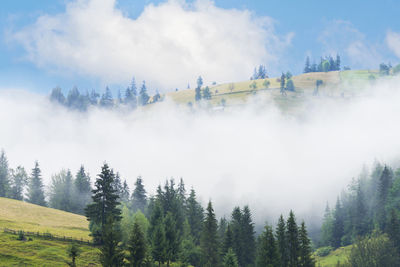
(305, 252)
(4, 175)
(158, 244)
(57, 96)
(19, 180)
(106, 100)
(206, 93)
(385, 182)
(209, 239)
(267, 254)
(393, 229)
(338, 225)
(117, 184)
(143, 96)
(35, 189)
(198, 89)
(228, 240)
(125, 192)
(360, 214)
(195, 216)
(307, 67)
(105, 204)
(111, 254)
(222, 227)
(326, 229)
(282, 242)
(237, 231)
(249, 243)
(137, 246)
(292, 234)
(337, 63)
(230, 259)
(139, 198)
(82, 190)
(171, 238)
(283, 88)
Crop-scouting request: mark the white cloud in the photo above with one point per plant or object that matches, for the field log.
(343, 37)
(169, 44)
(393, 42)
(248, 155)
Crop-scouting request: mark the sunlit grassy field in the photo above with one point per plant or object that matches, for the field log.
(18, 215)
(338, 255)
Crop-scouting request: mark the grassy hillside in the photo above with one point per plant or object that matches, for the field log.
(20, 215)
(331, 260)
(336, 84)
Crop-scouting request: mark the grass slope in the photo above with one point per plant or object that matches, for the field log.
(20, 215)
(331, 260)
(336, 84)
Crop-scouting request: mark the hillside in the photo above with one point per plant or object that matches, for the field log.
(20, 215)
(24, 216)
(336, 84)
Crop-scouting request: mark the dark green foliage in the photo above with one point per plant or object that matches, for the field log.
(61, 192)
(282, 243)
(374, 252)
(384, 69)
(222, 228)
(198, 89)
(19, 180)
(158, 244)
(4, 175)
(393, 229)
(228, 240)
(326, 64)
(230, 260)
(307, 67)
(111, 254)
(283, 83)
(171, 238)
(326, 228)
(209, 239)
(385, 182)
(195, 216)
(125, 192)
(338, 225)
(35, 188)
(236, 225)
(305, 251)
(143, 96)
(267, 254)
(293, 245)
(139, 198)
(247, 233)
(137, 246)
(105, 203)
(117, 184)
(73, 252)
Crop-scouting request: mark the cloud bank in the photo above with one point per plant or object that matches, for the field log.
(393, 42)
(168, 45)
(254, 156)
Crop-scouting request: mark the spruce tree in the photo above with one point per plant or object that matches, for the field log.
(249, 243)
(158, 244)
(385, 182)
(198, 89)
(237, 231)
(139, 198)
(111, 254)
(230, 259)
(106, 100)
(292, 234)
(222, 227)
(228, 240)
(307, 67)
(393, 229)
(19, 180)
(338, 225)
(82, 190)
(283, 84)
(137, 246)
(4, 175)
(143, 96)
(195, 216)
(305, 252)
(171, 238)
(267, 254)
(117, 184)
(209, 239)
(105, 204)
(282, 242)
(125, 192)
(35, 189)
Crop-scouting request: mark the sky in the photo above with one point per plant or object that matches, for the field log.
(92, 44)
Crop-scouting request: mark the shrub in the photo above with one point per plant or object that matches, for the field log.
(323, 251)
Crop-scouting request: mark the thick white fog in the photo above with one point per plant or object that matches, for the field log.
(260, 157)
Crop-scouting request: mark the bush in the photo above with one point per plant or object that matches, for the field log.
(21, 236)
(323, 251)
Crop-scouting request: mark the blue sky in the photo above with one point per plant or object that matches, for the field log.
(315, 28)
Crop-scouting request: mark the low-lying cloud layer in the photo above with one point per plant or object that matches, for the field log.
(168, 45)
(244, 156)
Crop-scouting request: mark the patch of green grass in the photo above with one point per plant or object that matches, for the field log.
(331, 260)
(41, 252)
(19, 215)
